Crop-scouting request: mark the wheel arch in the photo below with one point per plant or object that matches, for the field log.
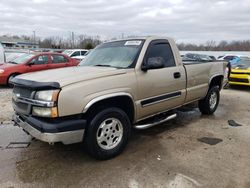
(121, 100)
(216, 80)
(11, 74)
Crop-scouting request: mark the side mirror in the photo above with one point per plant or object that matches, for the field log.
(30, 63)
(153, 63)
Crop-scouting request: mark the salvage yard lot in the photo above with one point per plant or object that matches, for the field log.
(191, 151)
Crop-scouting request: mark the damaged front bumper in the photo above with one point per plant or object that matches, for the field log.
(67, 131)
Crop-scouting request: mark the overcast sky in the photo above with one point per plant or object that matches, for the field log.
(185, 20)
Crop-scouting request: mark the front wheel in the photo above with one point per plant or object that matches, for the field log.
(209, 104)
(108, 133)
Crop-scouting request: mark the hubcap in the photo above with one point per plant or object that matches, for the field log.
(109, 133)
(213, 100)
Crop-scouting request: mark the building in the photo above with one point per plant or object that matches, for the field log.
(10, 42)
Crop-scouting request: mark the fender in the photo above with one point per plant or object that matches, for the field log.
(100, 98)
(214, 77)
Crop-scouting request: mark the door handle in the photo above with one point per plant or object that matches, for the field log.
(177, 75)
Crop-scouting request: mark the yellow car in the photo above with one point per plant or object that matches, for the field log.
(240, 73)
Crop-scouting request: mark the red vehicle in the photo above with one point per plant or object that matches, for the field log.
(33, 62)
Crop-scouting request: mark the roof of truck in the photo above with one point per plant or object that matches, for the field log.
(141, 38)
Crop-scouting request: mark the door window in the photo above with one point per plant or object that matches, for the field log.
(83, 52)
(161, 50)
(59, 59)
(40, 60)
(77, 53)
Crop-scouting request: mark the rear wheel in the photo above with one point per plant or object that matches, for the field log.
(108, 133)
(209, 104)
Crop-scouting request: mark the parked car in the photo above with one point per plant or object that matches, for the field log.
(240, 72)
(213, 57)
(32, 62)
(121, 84)
(229, 57)
(78, 54)
(196, 57)
(85, 55)
(2, 54)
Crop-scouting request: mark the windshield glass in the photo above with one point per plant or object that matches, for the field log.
(67, 52)
(22, 59)
(119, 54)
(244, 63)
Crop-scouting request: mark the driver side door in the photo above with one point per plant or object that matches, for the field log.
(162, 88)
(38, 63)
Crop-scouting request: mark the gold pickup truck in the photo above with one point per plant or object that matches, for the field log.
(123, 84)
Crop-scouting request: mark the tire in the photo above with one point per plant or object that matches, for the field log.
(9, 79)
(107, 133)
(209, 104)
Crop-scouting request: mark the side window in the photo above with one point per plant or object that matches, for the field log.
(162, 50)
(83, 52)
(77, 53)
(58, 59)
(40, 60)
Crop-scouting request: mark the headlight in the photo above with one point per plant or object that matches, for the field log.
(45, 112)
(49, 95)
(1, 71)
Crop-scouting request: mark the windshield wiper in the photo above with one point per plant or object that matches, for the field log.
(12, 62)
(100, 65)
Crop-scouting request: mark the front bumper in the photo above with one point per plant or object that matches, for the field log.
(3, 79)
(239, 79)
(65, 131)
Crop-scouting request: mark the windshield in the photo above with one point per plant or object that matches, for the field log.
(119, 54)
(243, 63)
(22, 59)
(67, 52)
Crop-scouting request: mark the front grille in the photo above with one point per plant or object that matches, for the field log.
(24, 92)
(21, 107)
(248, 73)
(243, 80)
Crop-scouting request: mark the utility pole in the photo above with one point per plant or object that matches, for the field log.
(73, 39)
(34, 36)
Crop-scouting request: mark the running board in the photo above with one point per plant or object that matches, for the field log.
(145, 126)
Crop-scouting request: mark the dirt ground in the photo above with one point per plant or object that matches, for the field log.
(191, 151)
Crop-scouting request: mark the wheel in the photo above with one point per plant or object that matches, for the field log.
(10, 78)
(108, 133)
(209, 104)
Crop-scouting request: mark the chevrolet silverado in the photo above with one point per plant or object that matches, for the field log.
(123, 84)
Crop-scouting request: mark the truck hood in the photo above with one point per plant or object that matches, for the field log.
(70, 75)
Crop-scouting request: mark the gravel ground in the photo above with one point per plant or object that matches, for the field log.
(192, 151)
(6, 110)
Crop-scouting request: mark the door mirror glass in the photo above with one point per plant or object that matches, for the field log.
(153, 63)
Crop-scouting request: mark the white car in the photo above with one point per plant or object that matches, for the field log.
(76, 53)
(2, 55)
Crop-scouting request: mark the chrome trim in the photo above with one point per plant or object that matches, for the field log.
(162, 99)
(97, 99)
(34, 102)
(68, 137)
(146, 126)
